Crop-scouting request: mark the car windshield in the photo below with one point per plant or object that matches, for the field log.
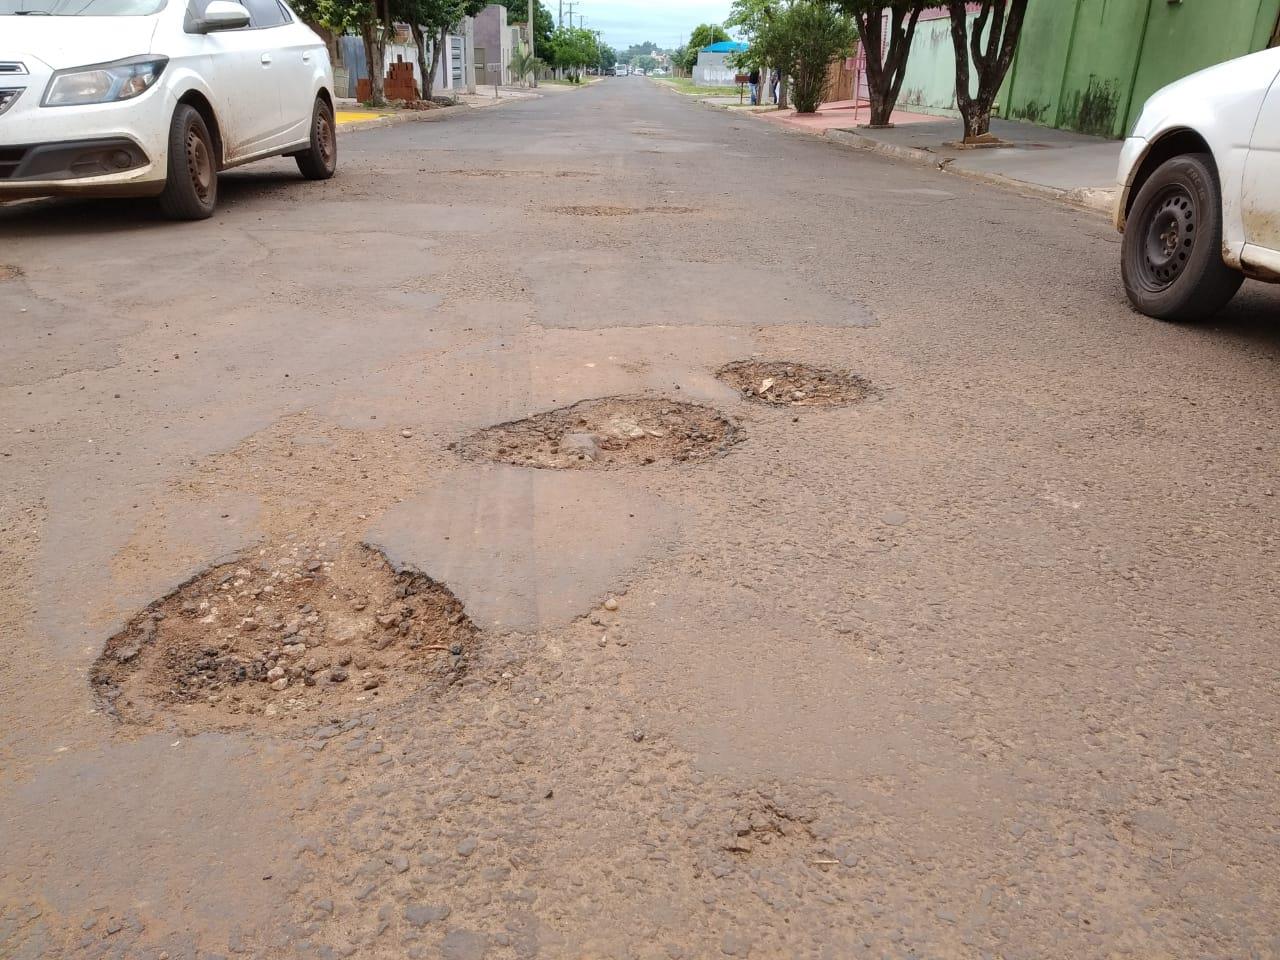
(80, 8)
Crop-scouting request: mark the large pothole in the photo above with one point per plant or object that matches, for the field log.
(785, 384)
(290, 632)
(9, 272)
(607, 433)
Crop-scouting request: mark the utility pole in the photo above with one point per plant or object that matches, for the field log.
(532, 51)
(570, 5)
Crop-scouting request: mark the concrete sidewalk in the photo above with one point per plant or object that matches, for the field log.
(1059, 164)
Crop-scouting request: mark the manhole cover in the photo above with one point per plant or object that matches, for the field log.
(9, 272)
(607, 433)
(292, 632)
(606, 211)
(784, 384)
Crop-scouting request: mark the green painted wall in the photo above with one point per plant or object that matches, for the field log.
(1089, 65)
(1189, 36)
(930, 83)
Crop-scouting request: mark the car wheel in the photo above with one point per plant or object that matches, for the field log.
(320, 160)
(191, 189)
(1172, 258)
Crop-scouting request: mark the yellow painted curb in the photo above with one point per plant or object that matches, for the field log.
(355, 116)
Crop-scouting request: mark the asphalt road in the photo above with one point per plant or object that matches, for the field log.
(980, 666)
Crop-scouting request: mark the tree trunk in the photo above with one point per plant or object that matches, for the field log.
(992, 57)
(420, 42)
(886, 69)
(375, 55)
(977, 120)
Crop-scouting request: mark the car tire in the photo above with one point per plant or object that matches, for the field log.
(191, 187)
(320, 160)
(1172, 257)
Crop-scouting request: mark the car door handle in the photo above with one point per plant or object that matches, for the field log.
(306, 57)
(266, 59)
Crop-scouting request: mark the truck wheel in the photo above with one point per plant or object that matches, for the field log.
(320, 160)
(1172, 259)
(191, 189)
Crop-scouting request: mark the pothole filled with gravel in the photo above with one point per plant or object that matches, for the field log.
(596, 210)
(296, 631)
(607, 433)
(9, 272)
(784, 384)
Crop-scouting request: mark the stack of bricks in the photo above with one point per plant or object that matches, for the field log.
(400, 84)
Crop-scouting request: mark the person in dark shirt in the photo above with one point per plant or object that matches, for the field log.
(753, 78)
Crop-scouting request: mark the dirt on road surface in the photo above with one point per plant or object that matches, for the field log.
(977, 664)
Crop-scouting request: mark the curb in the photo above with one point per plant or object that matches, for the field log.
(1095, 199)
(403, 116)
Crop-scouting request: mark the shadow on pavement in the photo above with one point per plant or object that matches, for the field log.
(73, 216)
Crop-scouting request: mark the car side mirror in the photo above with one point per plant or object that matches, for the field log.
(223, 15)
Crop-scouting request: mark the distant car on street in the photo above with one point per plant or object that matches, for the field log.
(620, 70)
(1200, 189)
(112, 98)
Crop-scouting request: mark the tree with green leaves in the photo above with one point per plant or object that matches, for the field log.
(575, 49)
(798, 38)
(754, 21)
(886, 62)
(704, 34)
(431, 22)
(992, 41)
(608, 58)
(544, 24)
(370, 18)
(814, 34)
(524, 65)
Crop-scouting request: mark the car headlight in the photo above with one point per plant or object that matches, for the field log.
(103, 82)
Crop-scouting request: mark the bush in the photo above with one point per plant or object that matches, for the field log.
(814, 34)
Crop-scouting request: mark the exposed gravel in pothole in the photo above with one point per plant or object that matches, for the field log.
(595, 210)
(290, 631)
(785, 384)
(9, 272)
(607, 433)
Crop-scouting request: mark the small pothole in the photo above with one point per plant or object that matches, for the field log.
(607, 433)
(286, 633)
(785, 384)
(9, 272)
(596, 210)
(490, 173)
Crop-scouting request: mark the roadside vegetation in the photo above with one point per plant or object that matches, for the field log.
(687, 86)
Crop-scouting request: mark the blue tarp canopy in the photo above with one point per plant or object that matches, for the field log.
(726, 46)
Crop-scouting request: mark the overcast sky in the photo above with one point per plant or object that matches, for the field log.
(624, 22)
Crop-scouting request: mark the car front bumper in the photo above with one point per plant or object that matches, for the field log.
(109, 164)
(106, 149)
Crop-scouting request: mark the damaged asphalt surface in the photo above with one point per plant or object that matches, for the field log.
(980, 665)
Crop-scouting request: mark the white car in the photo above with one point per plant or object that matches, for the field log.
(154, 97)
(1200, 189)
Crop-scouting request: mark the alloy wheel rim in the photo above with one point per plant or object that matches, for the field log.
(1170, 237)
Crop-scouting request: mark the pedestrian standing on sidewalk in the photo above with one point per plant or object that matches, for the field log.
(774, 80)
(753, 78)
